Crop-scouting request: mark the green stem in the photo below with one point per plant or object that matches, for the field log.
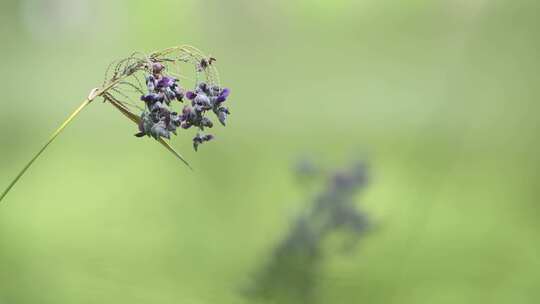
(51, 139)
(93, 95)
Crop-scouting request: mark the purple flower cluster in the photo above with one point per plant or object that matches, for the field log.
(203, 99)
(159, 121)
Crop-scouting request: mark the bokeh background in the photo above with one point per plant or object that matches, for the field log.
(440, 97)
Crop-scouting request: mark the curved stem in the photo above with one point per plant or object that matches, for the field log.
(51, 139)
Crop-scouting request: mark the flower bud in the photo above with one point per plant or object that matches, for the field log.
(222, 116)
(165, 82)
(160, 130)
(190, 95)
(178, 93)
(202, 100)
(205, 122)
(151, 83)
(157, 67)
(152, 98)
(185, 125)
(203, 86)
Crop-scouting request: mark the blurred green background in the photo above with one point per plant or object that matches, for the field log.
(439, 96)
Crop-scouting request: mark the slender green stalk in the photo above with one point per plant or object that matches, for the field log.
(93, 95)
(51, 139)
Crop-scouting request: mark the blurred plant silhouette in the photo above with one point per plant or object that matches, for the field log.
(157, 119)
(292, 271)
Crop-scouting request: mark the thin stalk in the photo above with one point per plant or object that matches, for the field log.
(51, 139)
(93, 95)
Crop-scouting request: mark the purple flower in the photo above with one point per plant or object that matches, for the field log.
(176, 119)
(170, 94)
(166, 82)
(198, 109)
(203, 87)
(185, 125)
(197, 140)
(187, 113)
(179, 93)
(190, 95)
(202, 100)
(160, 130)
(223, 95)
(222, 115)
(205, 122)
(200, 139)
(158, 118)
(151, 83)
(152, 98)
(208, 137)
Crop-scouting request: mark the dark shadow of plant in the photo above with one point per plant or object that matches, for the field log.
(295, 264)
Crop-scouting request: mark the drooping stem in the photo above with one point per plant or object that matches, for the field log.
(51, 139)
(137, 119)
